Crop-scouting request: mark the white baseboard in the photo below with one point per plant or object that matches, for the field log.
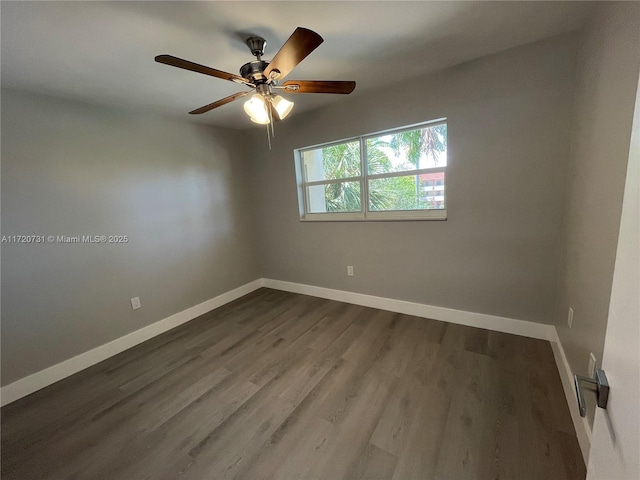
(583, 431)
(48, 376)
(479, 320)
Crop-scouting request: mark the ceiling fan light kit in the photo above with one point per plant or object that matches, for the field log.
(263, 77)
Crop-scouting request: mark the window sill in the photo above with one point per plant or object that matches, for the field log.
(439, 215)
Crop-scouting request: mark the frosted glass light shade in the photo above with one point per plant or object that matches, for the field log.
(256, 108)
(282, 106)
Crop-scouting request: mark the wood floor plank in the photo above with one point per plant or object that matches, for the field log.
(354, 421)
(297, 433)
(392, 431)
(425, 438)
(477, 341)
(309, 448)
(374, 464)
(458, 456)
(419, 456)
(501, 434)
(276, 385)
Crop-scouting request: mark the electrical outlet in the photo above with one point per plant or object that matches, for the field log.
(350, 271)
(592, 365)
(570, 317)
(135, 303)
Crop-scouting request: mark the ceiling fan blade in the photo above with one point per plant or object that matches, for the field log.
(318, 86)
(300, 44)
(219, 103)
(195, 67)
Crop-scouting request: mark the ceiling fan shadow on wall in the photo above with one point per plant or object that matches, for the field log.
(264, 106)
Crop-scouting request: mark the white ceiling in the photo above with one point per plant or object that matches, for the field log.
(102, 52)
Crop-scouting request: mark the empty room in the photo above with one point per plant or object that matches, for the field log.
(320, 240)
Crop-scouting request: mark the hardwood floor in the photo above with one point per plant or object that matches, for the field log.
(283, 386)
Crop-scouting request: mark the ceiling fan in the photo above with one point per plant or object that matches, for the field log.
(263, 77)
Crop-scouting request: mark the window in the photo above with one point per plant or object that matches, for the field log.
(397, 174)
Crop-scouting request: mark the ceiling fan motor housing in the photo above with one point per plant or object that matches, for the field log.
(253, 71)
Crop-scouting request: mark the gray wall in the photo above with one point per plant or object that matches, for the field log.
(177, 190)
(607, 77)
(508, 124)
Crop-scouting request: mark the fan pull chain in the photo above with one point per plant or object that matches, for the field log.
(273, 133)
(268, 137)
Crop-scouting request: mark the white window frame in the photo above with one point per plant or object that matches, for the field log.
(365, 214)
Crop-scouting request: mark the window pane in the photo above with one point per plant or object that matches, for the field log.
(410, 150)
(334, 197)
(411, 192)
(332, 163)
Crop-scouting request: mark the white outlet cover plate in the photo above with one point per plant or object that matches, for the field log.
(135, 303)
(570, 317)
